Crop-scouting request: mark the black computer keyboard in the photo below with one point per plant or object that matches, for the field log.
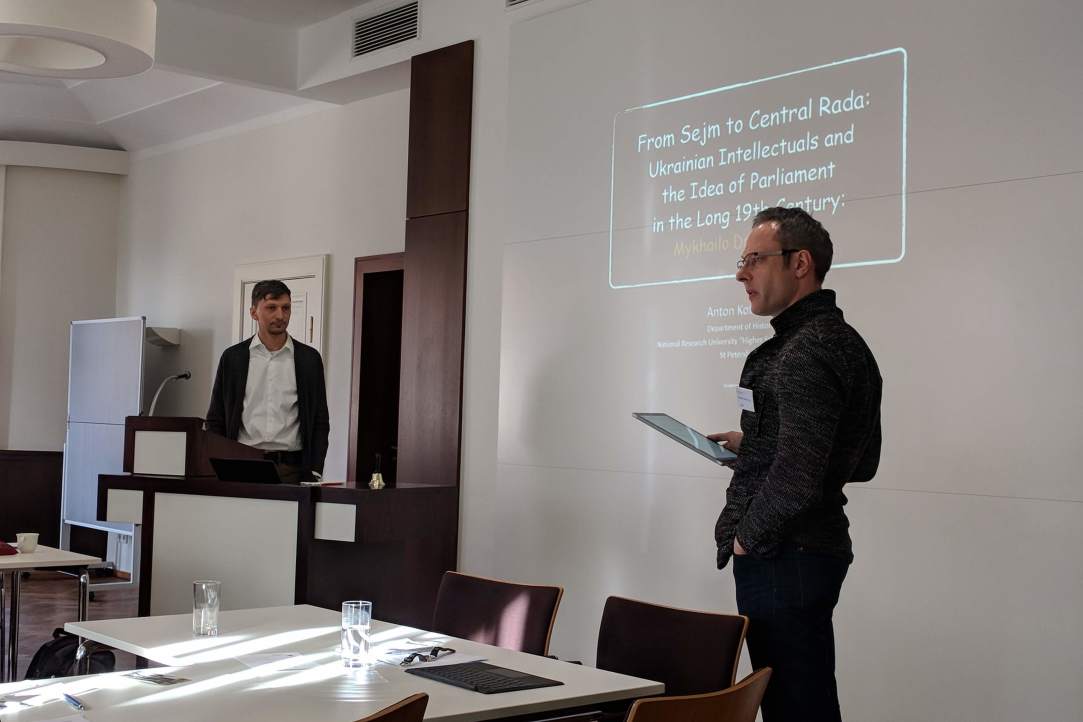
(484, 678)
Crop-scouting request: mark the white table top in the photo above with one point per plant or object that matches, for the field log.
(315, 687)
(44, 556)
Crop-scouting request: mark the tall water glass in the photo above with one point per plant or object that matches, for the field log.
(205, 595)
(356, 623)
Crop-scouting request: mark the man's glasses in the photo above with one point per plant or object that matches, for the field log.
(431, 656)
(751, 260)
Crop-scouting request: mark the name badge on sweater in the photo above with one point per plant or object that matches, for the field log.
(744, 399)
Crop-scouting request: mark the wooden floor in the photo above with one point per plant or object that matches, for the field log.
(49, 599)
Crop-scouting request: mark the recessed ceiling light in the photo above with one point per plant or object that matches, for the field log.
(77, 39)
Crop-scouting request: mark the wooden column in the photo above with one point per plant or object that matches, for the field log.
(441, 104)
(434, 284)
(407, 537)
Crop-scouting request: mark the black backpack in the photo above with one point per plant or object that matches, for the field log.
(56, 658)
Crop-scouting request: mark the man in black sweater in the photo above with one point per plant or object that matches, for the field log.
(810, 423)
(269, 391)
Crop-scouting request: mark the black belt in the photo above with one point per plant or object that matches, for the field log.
(292, 458)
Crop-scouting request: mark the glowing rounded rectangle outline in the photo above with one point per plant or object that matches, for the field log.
(852, 264)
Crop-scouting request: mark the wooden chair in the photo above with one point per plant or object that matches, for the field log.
(492, 611)
(736, 704)
(411, 709)
(690, 652)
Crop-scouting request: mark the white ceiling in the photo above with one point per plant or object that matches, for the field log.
(160, 106)
(152, 109)
(292, 13)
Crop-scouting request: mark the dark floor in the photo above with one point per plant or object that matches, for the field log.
(49, 599)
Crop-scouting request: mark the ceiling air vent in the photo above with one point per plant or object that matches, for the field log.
(388, 28)
(513, 3)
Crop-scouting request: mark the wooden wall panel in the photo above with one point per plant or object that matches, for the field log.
(406, 540)
(441, 105)
(433, 310)
(30, 494)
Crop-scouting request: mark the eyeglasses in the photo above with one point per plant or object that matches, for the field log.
(751, 260)
(432, 655)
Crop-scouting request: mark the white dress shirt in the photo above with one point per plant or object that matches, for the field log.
(269, 419)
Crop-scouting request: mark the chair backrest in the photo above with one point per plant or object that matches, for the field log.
(690, 652)
(736, 704)
(491, 611)
(411, 709)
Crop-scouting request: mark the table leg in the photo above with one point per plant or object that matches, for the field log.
(84, 593)
(83, 666)
(13, 627)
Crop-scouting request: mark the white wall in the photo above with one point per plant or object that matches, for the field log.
(58, 265)
(330, 182)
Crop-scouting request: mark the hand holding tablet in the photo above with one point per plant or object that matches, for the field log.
(685, 434)
(729, 440)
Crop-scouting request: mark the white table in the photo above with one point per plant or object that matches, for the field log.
(223, 688)
(41, 558)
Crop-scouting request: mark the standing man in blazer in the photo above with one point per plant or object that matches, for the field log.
(269, 391)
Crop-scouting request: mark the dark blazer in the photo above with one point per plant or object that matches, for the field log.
(227, 399)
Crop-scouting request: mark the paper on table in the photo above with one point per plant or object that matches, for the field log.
(32, 698)
(449, 659)
(394, 652)
(397, 654)
(159, 679)
(44, 692)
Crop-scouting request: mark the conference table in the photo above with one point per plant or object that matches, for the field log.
(42, 557)
(245, 673)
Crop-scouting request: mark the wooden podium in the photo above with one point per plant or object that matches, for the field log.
(176, 446)
(273, 544)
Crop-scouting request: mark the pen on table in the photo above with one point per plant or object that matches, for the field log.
(74, 702)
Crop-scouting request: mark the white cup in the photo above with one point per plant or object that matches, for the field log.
(27, 542)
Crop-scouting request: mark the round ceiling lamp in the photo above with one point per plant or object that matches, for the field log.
(77, 39)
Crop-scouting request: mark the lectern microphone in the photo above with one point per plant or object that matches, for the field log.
(175, 377)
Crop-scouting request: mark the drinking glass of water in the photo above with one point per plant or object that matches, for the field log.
(205, 596)
(356, 623)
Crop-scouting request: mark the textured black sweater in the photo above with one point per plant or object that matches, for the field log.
(816, 426)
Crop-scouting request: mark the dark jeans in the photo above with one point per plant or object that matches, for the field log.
(789, 601)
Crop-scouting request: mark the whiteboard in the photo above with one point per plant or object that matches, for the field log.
(105, 384)
(105, 370)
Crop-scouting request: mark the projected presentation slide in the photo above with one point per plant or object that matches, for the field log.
(690, 173)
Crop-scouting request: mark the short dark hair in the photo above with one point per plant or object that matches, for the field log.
(269, 289)
(798, 231)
